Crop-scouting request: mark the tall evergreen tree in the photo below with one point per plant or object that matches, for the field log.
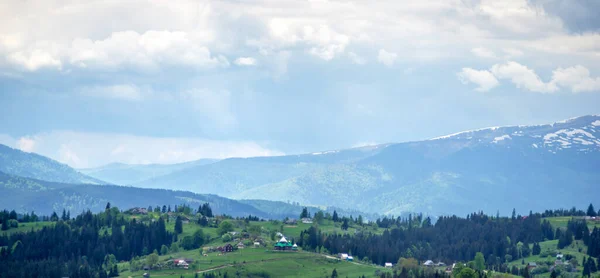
(591, 211)
(178, 225)
(335, 217)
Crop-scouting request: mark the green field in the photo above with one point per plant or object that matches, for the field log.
(253, 260)
(26, 227)
(561, 222)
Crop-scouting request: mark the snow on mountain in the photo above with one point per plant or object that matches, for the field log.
(581, 134)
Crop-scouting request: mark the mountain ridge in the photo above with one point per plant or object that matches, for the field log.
(439, 175)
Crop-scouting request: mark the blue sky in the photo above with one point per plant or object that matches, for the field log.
(172, 81)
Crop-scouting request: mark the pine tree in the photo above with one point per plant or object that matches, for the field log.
(335, 217)
(178, 225)
(334, 273)
(591, 211)
(536, 250)
(586, 268)
(345, 224)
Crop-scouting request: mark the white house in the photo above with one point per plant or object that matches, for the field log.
(344, 256)
(307, 220)
(388, 265)
(350, 259)
(256, 244)
(429, 263)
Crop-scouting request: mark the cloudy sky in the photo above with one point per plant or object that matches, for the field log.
(171, 81)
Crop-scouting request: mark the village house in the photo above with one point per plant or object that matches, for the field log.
(307, 220)
(225, 249)
(531, 265)
(240, 245)
(138, 210)
(350, 259)
(388, 265)
(429, 263)
(256, 244)
(283, 245)
(343, 256)
(290, 221)
(184, 220)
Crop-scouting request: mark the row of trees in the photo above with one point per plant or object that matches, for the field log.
(450, 239)
(77, 247)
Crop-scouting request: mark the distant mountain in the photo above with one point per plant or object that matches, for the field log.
(31, 165)
(498, 168)
(45, 197)
(231, 177)
(126, 174)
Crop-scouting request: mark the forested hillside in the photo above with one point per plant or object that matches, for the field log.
(132, 242)
(31, 165)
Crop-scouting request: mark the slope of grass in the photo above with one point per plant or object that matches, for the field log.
(255, 260)
(26, 227)
(561, 222)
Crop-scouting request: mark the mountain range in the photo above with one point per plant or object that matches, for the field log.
(496, 168)
(492, 169)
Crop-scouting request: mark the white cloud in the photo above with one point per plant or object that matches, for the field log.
(26, 144)
(522, 77)
(483, 52)
(356, 59)
(576, 78)
(512, 52)
(146, 51)
(387, 58)
(483, 78)
(34, 60)
(245, 61)
(73, 148)
(120, 91)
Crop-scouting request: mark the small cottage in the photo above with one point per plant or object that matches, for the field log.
(307, 220)
(350, 259)
(344, 256)
(388, 265)
(429, 263)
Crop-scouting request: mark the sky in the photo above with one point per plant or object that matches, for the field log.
(95, 82)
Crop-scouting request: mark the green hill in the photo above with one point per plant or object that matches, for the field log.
(31, 165)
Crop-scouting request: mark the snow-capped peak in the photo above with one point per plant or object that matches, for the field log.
(580, 134)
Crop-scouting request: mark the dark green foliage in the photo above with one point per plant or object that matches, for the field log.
(345, 224)
(591, 211)
(58, 250)
(178, 225)
(335, 216)
(451, 239)
(594, 243)
(334, 273)
(304, 213)
(565, 239)
(205, 210)
(536, 250)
